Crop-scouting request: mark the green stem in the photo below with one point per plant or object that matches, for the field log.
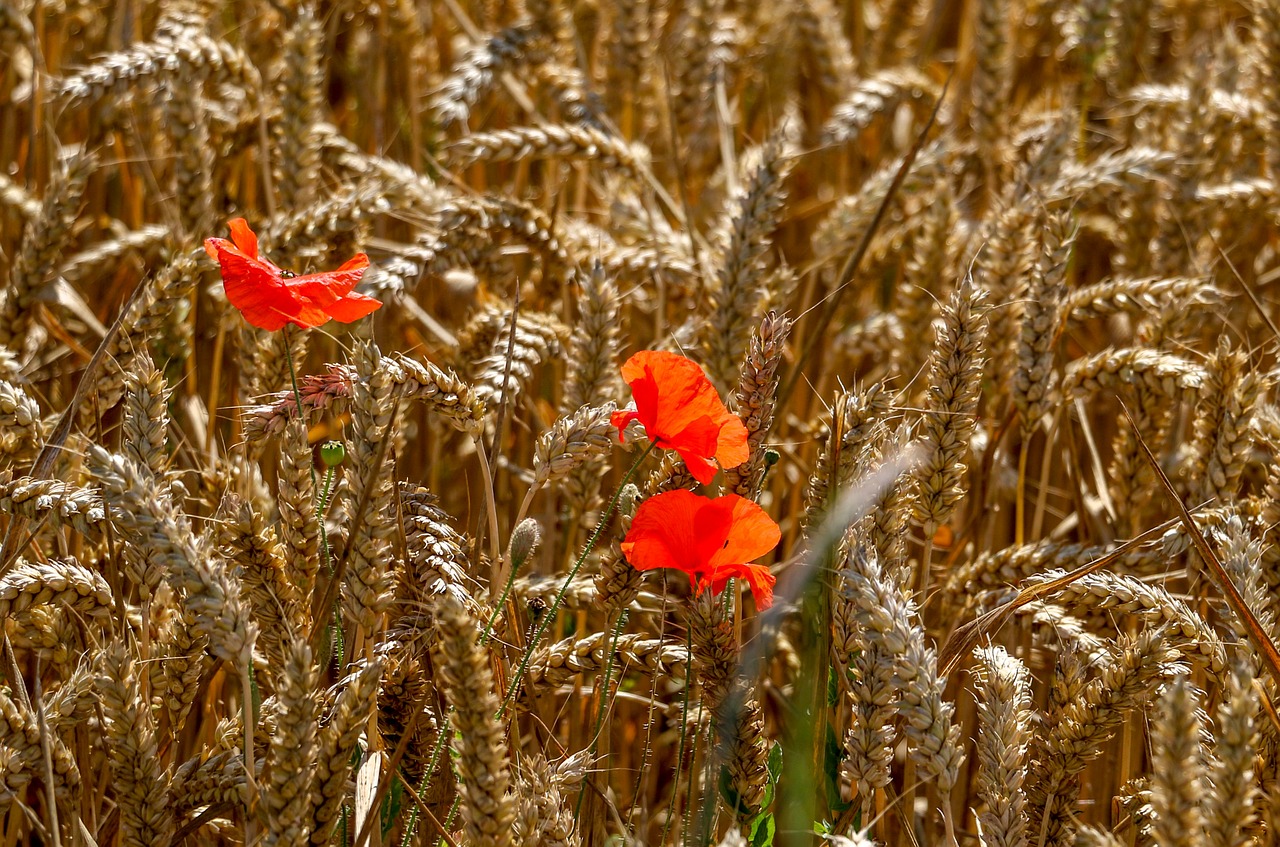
(550, 614)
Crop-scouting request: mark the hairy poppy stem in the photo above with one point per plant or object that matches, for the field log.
(550, 614)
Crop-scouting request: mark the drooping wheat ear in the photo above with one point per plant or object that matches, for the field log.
(252, 550)
(43, 240)
(1076, 732)
(565, 141)
(144, 512)
(583, 437)
(991, 85)
(1135, 294)
(194, 161)
(618, 583)
(538, 338)
(713, 650)
(1004, 733)
(1223, 435)
(435, 559)
(1229, 774)
(1035, 377)
(140, 781)
(146, 416)
(1177, 771)
(757, 389)
(857, 423)
(157, 61)
(57, 582)
(566, 661)
(203, 781)
(744, 750)
(819, 27)
(1161, 373)
(299, 90)
(291, 755)
(52, 499)
(740, 276)
(299, 527)
(476, 72)
(180, 660)
(544, 819)
(954, 385)
(1104, 590)
(889, 620)
(1266, 15)
(21, 428)
(368, 498)
(347, 720)
(488, 811)
(875, 97)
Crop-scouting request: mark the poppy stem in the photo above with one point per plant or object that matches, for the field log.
(550, 614)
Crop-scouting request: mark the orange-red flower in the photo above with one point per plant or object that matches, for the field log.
(681, 411)
(713, 540)
(270, 297)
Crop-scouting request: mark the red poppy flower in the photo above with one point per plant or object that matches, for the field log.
(681, 411)
(711, 539)
(270, 297)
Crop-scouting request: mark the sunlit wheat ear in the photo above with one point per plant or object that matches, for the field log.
(858, 422)
(195, 159)
(545, 815)
(1035, 376)
(1004, 734)
(140, 780)
(44, 239)
(991, 84)
(890, 622)
(1230, 769)
(1223, 435)
(755, 401)
(252, 548)
(291, 756)
(22, 430)
(347, 721)
(1177, 765)
(368, 498)
(1124, 681)
(296, 501)
(300, 94)
(488, 810)
(740, 275)
(146, 416)
(956, 370)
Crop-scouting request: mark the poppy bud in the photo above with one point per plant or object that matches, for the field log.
(524, 540)
(332, 453)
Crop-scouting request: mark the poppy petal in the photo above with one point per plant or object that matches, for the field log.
(256, 292)
(703, 470)
(621, 419)
(676, 529)
(752, 533)
(352, 307)
(244, 237)
(327, 287)
(731, 445)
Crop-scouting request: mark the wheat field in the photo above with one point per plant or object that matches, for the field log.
(990, 284)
